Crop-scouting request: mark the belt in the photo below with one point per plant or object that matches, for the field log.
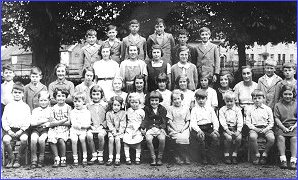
(105, 79)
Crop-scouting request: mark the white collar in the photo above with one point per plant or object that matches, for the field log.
(186, 66)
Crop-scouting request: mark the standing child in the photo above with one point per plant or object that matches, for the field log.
(268, 82)
(87, 84)
(162, 81)
(163, 39)
(133, 136)
(98, 125)
(259, 120)
(134, 39)
(205, 81)
(58, 133)
(15, 122)
(204, 127)
(80, 119)
(90, 51)
(154, 125)
(157, 66)
(113, 43)
(41, 118)
(285, 115)
(208, 54)
(179, 118)
(33, 89)
(231, 120)
(6, 86)
(117, 89)
(60, 71)
(116, 122)
(193, 52)
(131, 67)
(182, 82)
(186, 68)
(225, 82)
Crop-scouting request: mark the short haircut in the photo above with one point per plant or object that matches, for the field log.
(79, 95)
(134, 21)
(160, 20)
(246, 67)
(8, 67)
(134, 96)
(43, 94)
(118, 78)
(156, 46)
(63, 91)
(181, 76)
(205, 29)
(103, 47)
(60, 65)
(201, 93)
(257, 92)
(97, 88)
(289, 65)
(111, 27)
(18, 86)
(206, 74)
(162, 77)
(35, 70)
(229, 75)
(155, 94)
(86, 69)
(270, 62)
(288, 87)
(183, 48)
(178, 92)
(229, 95)
(112, 100)
(183, 32)
(91, 32)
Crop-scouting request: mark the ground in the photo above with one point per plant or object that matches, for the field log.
(168, 170)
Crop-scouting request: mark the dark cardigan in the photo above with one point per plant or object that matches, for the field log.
(158, 120)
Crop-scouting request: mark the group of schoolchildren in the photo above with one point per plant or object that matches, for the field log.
(145, 98)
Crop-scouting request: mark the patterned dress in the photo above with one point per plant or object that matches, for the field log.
(132, 133)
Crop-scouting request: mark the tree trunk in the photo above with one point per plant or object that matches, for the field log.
(242, 61)
(45, 40)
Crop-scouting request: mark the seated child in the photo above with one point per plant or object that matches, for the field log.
(40, 121)
(259, 120)
(179, 118)
(154, 125)
(15, 125)
(204, 126)
(116, 122)
(58, 133)
(285, 115)
(80, 119)
(231, 120)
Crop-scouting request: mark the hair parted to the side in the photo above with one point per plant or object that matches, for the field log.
(257, 92)
(86, 69)
(290, 88)
(60, 65)
(90, 32)
(162, 77)
(229, 95)
(156, 46)
(79, 95)
(18, 86)
(62, 90)
(43, 94)
(180, 77)
(160, 21)
(8, 67)
(205, 29)
(134, 21)
(139, 76)
(35, 70)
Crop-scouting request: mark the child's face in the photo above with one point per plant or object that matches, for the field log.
(201, 100)
(204, 83)
(112, 34)
(91, 39)
(117, 85)
(60, 97)
(288, 73)
(8, 75)
(35, 78)
(154, 102)
(183, 56)
(116, 106)
(133, 52)
(177, 100)
(182, 39)
(43, 101)
(106, 52)
(287, 96)
(134, 28)
(139, 84)
(258, 100)
(160, 28)
(224, 81)
(78, 103)
(230, 102)
(162, 85)
(61, 72)
(183, 84)
(134, 103)
(246, 75)
(269, 70)
(96, 97)
(89, 76)
(156, 53)
(17, 94)
(205, 36)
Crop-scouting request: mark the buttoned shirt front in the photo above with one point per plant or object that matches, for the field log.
(231, 117)
(6, 92)
(202, 116)
(260, 116)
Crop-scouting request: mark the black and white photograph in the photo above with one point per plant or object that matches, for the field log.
(148, 89)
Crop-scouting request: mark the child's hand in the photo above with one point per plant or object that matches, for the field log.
(11, 133)
(143, 131)
(292, 128)
(237, 133)
(200, 133)
(229, 132)
(18, 133)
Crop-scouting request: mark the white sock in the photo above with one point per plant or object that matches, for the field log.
(117, 156)
(84, 155)
(94, 154)
(126, 152)
(234, 154)
(282, 158)
(293, 159)
(111, 157)
(226, 154)
(63, 158)
(258, 155)
(57, 158)
(264, 154)
(100, 153)
(138, 154)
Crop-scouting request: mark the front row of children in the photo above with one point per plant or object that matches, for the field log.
(154, 120)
